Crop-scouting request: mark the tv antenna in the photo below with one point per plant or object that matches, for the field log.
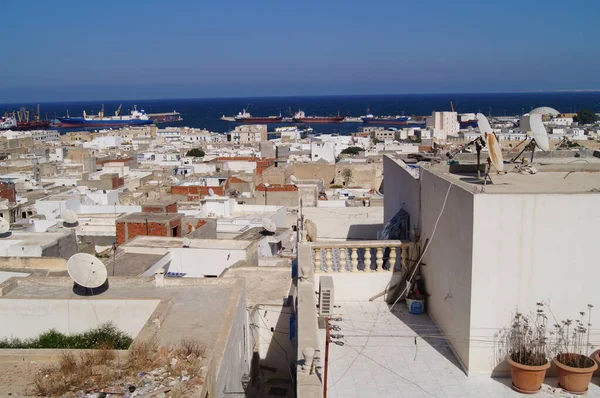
(87, 271)
(269, 226)
(537, 135)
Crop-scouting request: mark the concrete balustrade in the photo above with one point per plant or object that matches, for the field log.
(358, 256)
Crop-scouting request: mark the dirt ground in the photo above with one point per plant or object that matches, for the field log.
(16, 373)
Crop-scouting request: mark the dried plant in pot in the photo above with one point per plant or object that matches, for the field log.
(571, 341)
(526, 345)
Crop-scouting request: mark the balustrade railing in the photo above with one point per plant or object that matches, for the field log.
(359, 256)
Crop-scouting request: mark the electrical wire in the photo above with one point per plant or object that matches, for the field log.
(409, 280)
(356, 357)
(389, 370)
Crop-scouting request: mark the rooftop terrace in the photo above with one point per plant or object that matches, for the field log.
(395, 354)
(549, 179)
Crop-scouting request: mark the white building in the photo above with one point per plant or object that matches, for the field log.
(103, 142)
(248, 133)
(561, 121)
(322, 151)
(443, 124)
(518, 244)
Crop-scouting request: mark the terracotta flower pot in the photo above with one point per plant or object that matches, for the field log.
(574, 380)
(527, 379)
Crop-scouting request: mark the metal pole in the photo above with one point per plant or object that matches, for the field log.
(327, 340)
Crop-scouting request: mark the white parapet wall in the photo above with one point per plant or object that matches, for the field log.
(28, 318)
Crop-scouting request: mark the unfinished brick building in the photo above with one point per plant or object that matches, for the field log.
(148, 224)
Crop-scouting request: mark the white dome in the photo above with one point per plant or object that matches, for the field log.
(545, 110)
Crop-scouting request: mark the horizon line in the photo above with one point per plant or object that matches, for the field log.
(313, 96)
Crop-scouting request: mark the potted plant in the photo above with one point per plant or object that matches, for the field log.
(526, 345)
(572, 342)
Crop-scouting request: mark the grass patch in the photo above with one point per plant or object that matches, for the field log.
(105, 336)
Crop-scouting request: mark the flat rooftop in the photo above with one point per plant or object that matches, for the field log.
(266, 285)
(150, 217)
(130, 264)
(174, 242)
(397, 354)
(549, 179)
(189, 307)
(42, 239)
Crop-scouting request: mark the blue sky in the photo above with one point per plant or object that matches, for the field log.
(129, 49)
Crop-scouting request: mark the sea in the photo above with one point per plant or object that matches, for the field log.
(206, 112)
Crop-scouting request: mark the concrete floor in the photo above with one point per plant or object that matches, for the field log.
(379, 358)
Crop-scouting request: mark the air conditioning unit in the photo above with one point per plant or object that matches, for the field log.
(326, 295)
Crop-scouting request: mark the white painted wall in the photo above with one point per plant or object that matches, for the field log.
(401, 191)
(531, 248)
(359, 285)
(53, 208)
(26, 318)
(111, 197)
(343, 223)
(6, 275)
(102, 209)
(199, 262)
(325, 151)
(239, 166)
(447, 274)
(235, 361)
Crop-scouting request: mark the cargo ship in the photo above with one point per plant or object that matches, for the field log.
(370, 119)
(246, 117)
(8, 122)
(300, 117)
(136, 118)
(466, 120)
(169, 117)
(24, 123)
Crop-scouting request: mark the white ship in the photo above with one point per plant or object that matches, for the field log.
(7, 122)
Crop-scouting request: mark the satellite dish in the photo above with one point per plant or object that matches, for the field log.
(293, 179)
(484, 124)
(186, 242)
(269, 225)
(4, 226)
(87, 270)
(538, 132)
(69, 217)
(494, 150)
(211, 192)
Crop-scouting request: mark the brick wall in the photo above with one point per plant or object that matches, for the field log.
(7, 191)
(129, 230)
(121, 235)
(170, 208)
(194, 192)
(117, 182)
